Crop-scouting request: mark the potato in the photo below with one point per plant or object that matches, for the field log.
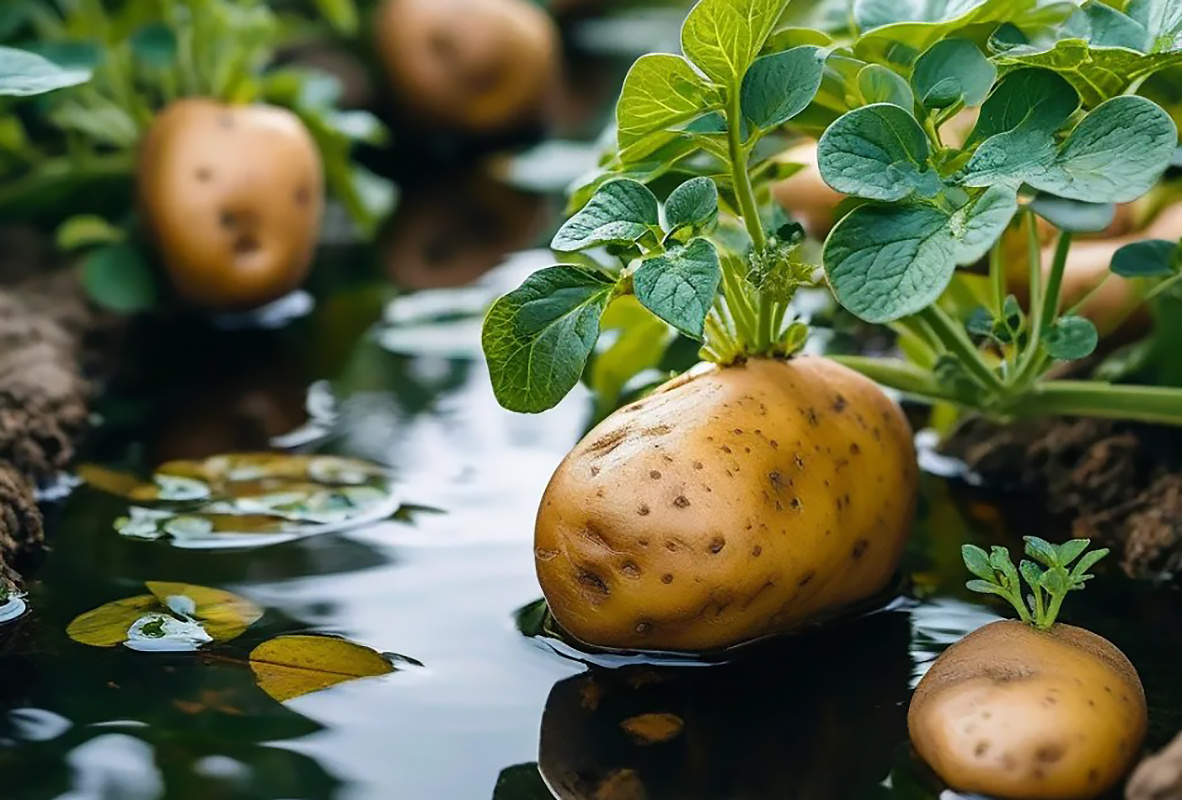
(233, 196)
(1014, 711)
(478, 65)
(805, 195)
(728, 505)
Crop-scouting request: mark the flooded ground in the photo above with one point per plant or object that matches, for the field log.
(477, 709)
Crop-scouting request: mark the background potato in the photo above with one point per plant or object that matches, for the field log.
(805, 195)
(233, 196)
(1012, 711)
(478, 65)
(740, 502)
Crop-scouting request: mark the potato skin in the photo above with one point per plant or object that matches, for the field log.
(805, 195)
(1012, 711)
(481, 66)
(728, 505)
(233, 196)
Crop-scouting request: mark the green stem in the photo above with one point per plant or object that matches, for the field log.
(57, 170)
(997, 278)
(1034, 256)
(1154, 404)
(954, 339)
(1039, 610)
(738, 301)
(1052, 611)
(1020, 606)
(1044, 314)
(745, 194)
(899, 375)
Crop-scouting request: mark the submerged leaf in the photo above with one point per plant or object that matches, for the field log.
(287, 667)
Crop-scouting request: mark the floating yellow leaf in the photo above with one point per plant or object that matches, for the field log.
(221, 614)
(652, 728)
(107, 625)
(291, 666)
(113, 482)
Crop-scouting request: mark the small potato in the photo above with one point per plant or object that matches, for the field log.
(233, 196)
(805, 195)
(728, 505)
(482, 66)
(1013, 711)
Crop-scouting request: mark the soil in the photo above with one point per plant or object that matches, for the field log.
(1159, 777)
(47, 333)
(1119, 484)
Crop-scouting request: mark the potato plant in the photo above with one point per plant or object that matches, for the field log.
(1031, 708)
(117, 66)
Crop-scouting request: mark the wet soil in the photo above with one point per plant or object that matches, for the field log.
(1116, 483)
(47, 338)
(1159, 777)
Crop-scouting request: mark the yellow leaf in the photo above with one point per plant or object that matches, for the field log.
(106, 626)
(652, 728)
(223, 615)
(291, 666)
(122, 484)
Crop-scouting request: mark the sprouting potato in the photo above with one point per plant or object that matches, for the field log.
(728, 505)
(1016, 712)
(805, 195)
(233, 196)
(477, 65)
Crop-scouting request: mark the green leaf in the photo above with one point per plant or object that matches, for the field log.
(23, 74)
(1163, 20)
(1071, 338)
(154, 44)
(1097, 73)
(639, 346)
(620, 212)
(660, 92)
(1111, 28)
(915, 25)
(680, 286)
(778, 87)
(85, 230)
(723, 37)
(1075, 216)
(1071, 550)
(1116, 154)
(878, 84)
(117, 277)
(999, 558)
(341, 15)
(977, 561)
(537, 338)
(693, 203)
(1041, 550)
(1032, 573)
(878, 152)
(1055, 581)
(985, 587)
(1038, 98)
(952, 71)
(887, 262)
(1149, 258)
(1087, 562)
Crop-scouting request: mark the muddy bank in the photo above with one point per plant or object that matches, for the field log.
(48, 333)
(1116, 483)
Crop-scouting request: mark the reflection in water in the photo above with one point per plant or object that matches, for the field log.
(803, 718)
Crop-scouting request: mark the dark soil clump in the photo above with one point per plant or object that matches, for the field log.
(1116, 483)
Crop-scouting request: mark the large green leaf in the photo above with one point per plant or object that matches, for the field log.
(537, 338)
(889, 26)
(117, 277)
(885, 262)
(778, 87)
(679, 286)
(1112, 28)
(1163, 20)
(619, 212)
(1097, 73)
(1149, 258)
(878, 152)
(1039, 98)
(723, 37)
(952, 71)
(23, 74)
(660, 92)
(879, 84)
(1116, 154)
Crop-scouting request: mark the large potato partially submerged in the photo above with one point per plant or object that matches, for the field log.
(1017, 712)
(478, 65)
(233, 196)
(740, 502)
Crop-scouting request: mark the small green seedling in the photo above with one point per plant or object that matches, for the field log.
(1049, 576)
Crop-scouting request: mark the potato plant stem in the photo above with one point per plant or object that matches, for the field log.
(901, 376)
(1044, 314)
(750, 211)
(1153, 404)
(954, 339)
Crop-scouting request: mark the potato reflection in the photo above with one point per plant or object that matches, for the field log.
(816, 717)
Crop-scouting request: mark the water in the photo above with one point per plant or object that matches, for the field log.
(476, 709)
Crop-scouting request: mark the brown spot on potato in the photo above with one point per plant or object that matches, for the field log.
(655, 474)
(855, 449)
(666, 578)
(860, 548)
(630, 569)
(981, 749)
(716, 544)
(681, 501)
(756, 551)
(246, 244)
(656, 430)
(775, 445)
(725, 449)
(594, 471)
(795, 504)
(698, 465)
(812, 417)
(595, 587)
(643, 510)
(303, 196)
(807, 578)
(227, 219)
(1049, 753)
(644, 627)
(204, 174)
(609, 441)
(545, 553)
(839, 404)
